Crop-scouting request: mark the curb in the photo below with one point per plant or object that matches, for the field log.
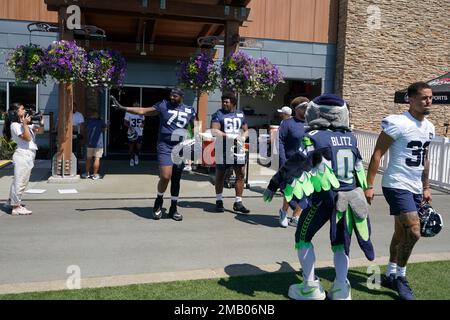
(4, 163)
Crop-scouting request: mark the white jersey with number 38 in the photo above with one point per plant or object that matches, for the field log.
(407, 153)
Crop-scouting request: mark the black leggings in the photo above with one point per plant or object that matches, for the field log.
(312, 219)
(177, 171)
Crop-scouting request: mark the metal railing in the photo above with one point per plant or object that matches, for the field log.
(439, 155)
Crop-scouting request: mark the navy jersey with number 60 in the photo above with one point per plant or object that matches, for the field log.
(173, 117)
(230, 121)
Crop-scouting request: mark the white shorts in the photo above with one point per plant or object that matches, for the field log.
(94, 152)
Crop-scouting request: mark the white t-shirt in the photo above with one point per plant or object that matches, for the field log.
(407, 153)
(17, 130)
(77, 118)
(135, 121)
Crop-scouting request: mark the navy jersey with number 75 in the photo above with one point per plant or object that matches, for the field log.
(172, 118)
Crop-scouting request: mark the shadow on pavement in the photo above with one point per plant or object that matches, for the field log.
(257, 189)
(5, 209)
(259, 219)
(206, 206)
(143, 212)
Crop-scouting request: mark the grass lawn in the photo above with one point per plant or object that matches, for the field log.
(429, 280)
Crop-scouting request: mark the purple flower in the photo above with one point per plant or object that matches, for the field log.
(198, 73)
(65, 61)
(26, 64)
(106, 68)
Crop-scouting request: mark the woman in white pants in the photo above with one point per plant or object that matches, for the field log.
(18, 128)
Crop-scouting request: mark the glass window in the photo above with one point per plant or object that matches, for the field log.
(3, 102)
(23, 93)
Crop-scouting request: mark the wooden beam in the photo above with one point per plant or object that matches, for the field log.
(152, 33)
(128, 49)
(206, 30)
(219, 31)
(238, 3)
(174, 8)
(140, 30)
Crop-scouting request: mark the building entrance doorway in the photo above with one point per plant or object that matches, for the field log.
(117, 140)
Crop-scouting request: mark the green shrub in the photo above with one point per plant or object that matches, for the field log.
(7, 148)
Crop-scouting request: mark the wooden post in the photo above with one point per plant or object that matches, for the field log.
(64, 152)
(231, 38)
(65, 109)
(202, 110)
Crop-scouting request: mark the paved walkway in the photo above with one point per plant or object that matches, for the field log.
(106, 230)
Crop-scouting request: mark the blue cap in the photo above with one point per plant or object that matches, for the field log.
(329, 99)
(177, 91)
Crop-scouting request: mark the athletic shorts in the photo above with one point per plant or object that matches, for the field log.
(401, 201)
(94, 152)
(138, 140)
(165, 151)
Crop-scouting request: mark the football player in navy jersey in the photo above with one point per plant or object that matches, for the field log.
(405, 182)
(175, 117)
(328, 170)
(230, 129)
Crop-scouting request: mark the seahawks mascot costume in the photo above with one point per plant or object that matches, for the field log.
(328, 172)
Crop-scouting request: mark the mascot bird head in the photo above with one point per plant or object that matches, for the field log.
(327, 111)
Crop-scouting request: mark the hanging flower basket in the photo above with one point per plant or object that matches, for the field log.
(26, 62)
(199, 73)
(65, 61)
(238, 74)
(241, 73)
(105, 68)
(268, 77)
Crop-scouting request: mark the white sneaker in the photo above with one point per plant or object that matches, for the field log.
(187, 168)
(85, 176)
(136, 160)
(283, 218)
(340, 291)
(131, 162)
(293, 222)
(20, 211)
(307, 290)
(95, 177)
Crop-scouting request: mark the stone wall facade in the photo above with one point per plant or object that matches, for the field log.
(411, 43)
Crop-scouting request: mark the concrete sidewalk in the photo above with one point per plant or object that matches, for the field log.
(107, 231)
(120, 181)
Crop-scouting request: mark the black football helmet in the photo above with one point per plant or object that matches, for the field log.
(430, 221)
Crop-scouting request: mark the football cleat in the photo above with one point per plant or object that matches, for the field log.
(307, 290)
(340, 291)
(283, 218)
(174, 214)
(388, 281)
(403, 289)
(238, 207)
(219, 206)
(157, 208)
